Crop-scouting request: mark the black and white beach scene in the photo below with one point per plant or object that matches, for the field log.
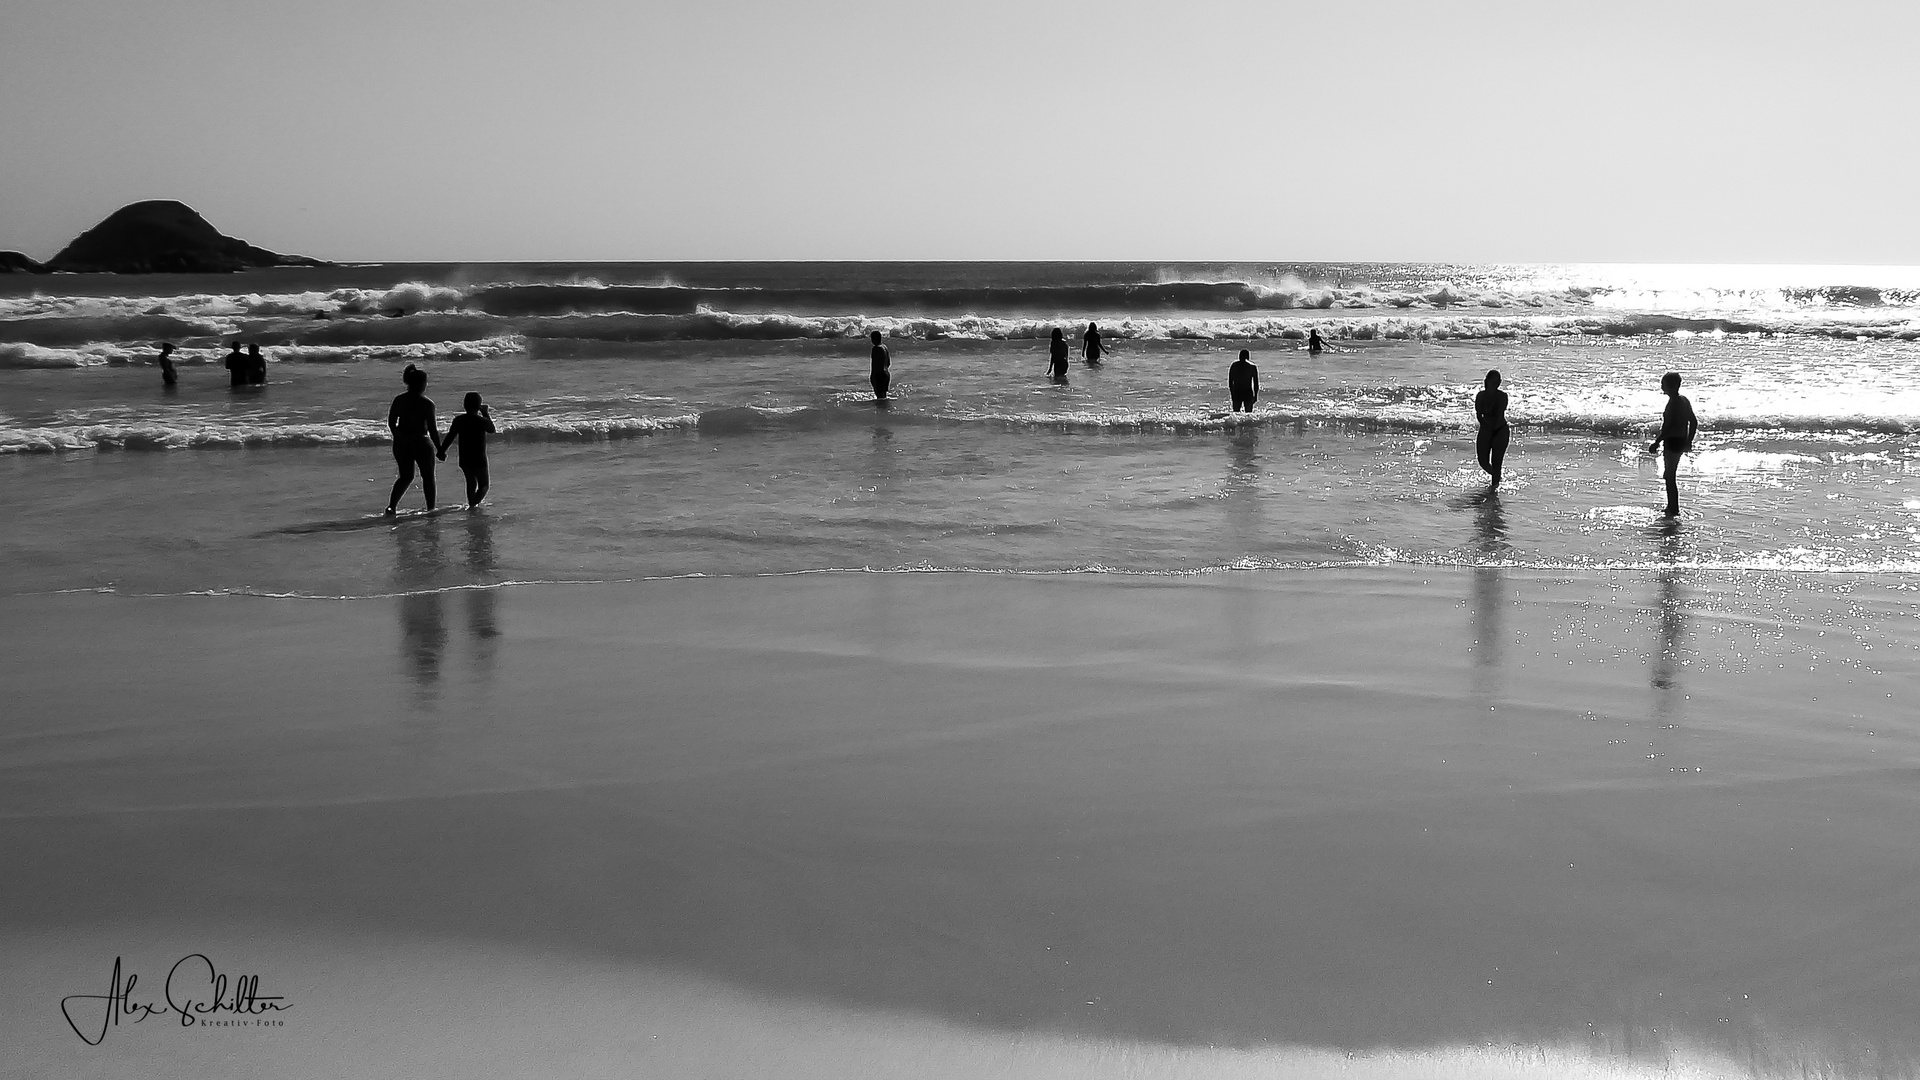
(1040, 540)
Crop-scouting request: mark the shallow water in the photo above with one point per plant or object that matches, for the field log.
(727, 446)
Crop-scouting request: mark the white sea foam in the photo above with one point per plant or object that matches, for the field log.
(1433, 309)
(182, 434)
(1735, 444)
(485, 349)
(21, 355)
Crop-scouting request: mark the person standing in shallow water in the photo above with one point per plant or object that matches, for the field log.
(1490, 408)
(1677, 428)
(414, 435)
(882, 375)
(1090, 347)
(236, 367)
(1317, 344)
(471, 428)
(1057, 356)
(256, 367)
(168, 377)
(1243, 382)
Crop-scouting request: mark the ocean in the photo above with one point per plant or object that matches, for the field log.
(1008, 728)
(715, 419)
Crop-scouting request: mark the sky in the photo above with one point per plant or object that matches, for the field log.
(1538, 131)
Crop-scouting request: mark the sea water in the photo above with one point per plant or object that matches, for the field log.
(716, 419)
(1721, 758)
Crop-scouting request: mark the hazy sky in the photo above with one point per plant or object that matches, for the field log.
(610, 129)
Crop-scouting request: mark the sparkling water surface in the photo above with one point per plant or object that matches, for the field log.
(715, 419)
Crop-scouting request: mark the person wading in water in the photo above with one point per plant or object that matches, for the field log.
(414, 435)
(1490, 407)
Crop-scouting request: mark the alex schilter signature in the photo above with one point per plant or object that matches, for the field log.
(194, 989)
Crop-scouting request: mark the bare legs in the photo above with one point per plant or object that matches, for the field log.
(410, 455)
(1673, 483)
(476, 484)
(1492, 450)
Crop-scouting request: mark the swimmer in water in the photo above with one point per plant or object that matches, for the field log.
(1490, 408)
(414, 435)
(1090, 347)
(168, 377)
(1677, 428)
(1057, 356)
(1243, 382)
(1317, 344)
(882, 375)
(256, 367)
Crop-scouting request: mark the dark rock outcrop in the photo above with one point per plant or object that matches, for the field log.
(12, 262)
(163, 237)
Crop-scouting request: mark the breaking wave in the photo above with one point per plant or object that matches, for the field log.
(463, 335)
(92, 354)
(415, 312)
(1436, 410)
(147, 434)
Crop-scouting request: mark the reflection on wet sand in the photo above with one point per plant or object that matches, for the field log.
(423, 619)
(1489, 593)
(1671, 618)
(999, 840)
(422, 577)
(423, 636)
(483, 619)
(1246, 523)
(1667, 659)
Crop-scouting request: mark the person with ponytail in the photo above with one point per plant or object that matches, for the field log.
(414, 435)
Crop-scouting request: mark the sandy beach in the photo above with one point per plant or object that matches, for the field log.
(1379, 821)
(958, 542)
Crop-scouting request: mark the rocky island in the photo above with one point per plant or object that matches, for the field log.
(159, 236)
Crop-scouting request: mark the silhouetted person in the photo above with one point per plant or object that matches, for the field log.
(1317, 344)
(1057, 356)
(1090, 348)
(882, 375)
(1677, 427)
(236, 367)
(256, 366)
(414, 434)
(471, 428)
(168, 377)
(1243, 382)
(1490, 407)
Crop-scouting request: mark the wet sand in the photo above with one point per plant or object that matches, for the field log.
(1453, 821)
